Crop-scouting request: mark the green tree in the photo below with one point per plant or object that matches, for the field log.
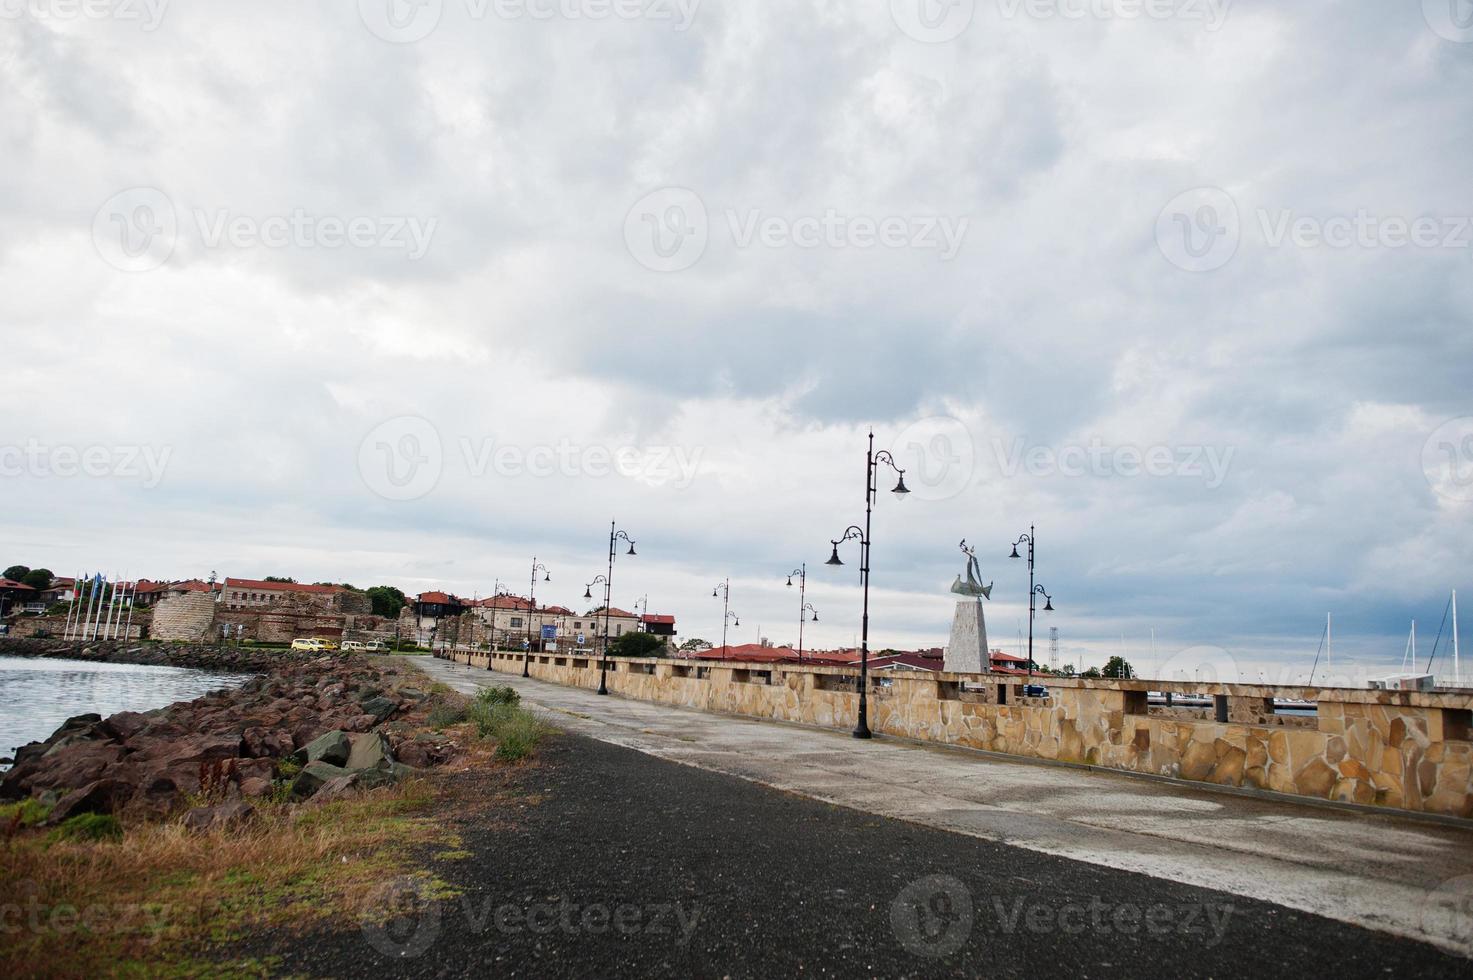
(387, 600)
(637, 645)
(1118, 667)
(695, 644)
(38, 578)
(1067, 670)
(280, 578)
(1092, 673)
(16, 572)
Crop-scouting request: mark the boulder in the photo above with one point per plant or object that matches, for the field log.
(254, 777)
(370, 751)
(267, 743)
(203, 818)
(102, 796)
(332, 748)
(312, 778)
(380, 707)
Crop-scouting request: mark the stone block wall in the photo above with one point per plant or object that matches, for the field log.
(183, 616)
(1399, 749)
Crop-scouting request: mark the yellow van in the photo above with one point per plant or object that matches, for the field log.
(310, 646)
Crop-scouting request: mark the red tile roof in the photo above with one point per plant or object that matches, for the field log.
(613, 611)
(749, 652)
(659, 619)
(505, 601)
(193, 585)
(558, 610)
(436, 597)
(250, 583)
(10, 583)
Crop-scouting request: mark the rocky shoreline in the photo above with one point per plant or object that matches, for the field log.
(309, 727)
(197, 656)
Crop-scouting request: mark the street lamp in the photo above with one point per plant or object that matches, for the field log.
(643, 604)
(615, 536)
(871, 471)
(532, 608)
(727, 616)
(803, 605)
(1033, 590)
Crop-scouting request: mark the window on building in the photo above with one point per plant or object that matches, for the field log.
(516, 622)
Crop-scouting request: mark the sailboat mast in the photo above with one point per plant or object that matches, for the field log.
(1457, 671)
(1329, 643)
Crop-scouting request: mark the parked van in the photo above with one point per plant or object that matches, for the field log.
(309, 645)
(376, 646)
(354, 646)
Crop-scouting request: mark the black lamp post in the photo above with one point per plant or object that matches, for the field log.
(643, 604)
(1033, 591)
(615, 536)
(532, 608)
(871, 470)
(727, 616)
(803, 605)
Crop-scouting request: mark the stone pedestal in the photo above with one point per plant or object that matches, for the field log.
(967, 651)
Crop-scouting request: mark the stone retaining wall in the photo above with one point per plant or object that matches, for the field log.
(1401, 749)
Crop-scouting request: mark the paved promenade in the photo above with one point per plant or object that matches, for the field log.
(1403, 876)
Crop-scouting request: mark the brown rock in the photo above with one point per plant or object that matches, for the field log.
(1315, 779)
(203, 818)
(102, 796)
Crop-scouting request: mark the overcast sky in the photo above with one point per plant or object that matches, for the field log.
(397, 293)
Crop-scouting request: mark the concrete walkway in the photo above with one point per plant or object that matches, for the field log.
(1404, 876)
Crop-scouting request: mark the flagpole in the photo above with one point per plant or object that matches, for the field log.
(112, 608)
(132, 601)
(91, 599)
(70, 609)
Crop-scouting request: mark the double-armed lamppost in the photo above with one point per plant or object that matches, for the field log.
(615, 536)
(723, 589)
(804, 606)
(1033, 590)
(643, 602)
(871, 469)
(532, 608)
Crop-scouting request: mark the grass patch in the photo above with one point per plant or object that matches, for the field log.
(152, 899)
(25, 813)
(87, 827)
(515, 730)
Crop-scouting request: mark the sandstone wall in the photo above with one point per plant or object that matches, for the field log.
(1400, 749)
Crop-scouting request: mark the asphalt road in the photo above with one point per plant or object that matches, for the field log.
(628, 865)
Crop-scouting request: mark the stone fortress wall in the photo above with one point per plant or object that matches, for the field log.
(1398, 749)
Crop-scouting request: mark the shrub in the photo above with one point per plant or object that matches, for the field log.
(25, 813)
(87, 826)
(516, 730)
(498, 695)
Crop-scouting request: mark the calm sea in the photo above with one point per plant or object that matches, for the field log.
(37, 695)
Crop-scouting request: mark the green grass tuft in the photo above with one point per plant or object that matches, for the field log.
(87, 826)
